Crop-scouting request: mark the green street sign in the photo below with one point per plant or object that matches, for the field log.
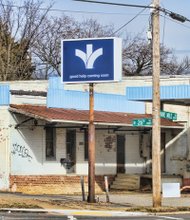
(168, 115)
(142, 122)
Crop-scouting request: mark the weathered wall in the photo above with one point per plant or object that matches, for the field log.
(30, 85)
(4, 148)
(176, 153)
(133, 162)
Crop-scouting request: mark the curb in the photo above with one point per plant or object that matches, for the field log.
(76, 212)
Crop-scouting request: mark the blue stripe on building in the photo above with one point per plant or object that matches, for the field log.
(57, 97)
(4, 95)
(144, 93)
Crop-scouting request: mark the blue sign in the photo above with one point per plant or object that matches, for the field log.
(91, 60)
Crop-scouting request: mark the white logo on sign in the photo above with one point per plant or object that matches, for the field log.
(89, 57)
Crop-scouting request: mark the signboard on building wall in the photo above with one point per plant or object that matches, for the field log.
(91, 60)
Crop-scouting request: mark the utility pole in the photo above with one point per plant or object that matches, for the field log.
(156, 137)
(91, 147)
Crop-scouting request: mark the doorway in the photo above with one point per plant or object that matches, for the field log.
(71, 150)
(120, 154)
(163, 152)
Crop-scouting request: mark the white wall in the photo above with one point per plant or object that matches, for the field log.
(28, 152)
(28, 85)
(134, 163)
(4, 148)
(176, 153)
(105, 152)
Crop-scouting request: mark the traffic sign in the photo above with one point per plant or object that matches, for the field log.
(142, 122)
(91, 60)
(168, 115)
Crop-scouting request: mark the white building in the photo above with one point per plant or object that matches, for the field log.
(44, 149)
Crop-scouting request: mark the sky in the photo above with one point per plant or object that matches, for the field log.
(173, 34)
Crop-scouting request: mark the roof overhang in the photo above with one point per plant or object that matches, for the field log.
(81, 117)
(173, 94)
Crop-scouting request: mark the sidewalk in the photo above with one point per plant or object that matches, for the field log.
(120, 205)
(132, 201)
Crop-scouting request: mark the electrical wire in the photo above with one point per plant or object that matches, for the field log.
(115, 4)
(164, 29)
(124, 25)
(173, 15)
(72, 11)
(176, 22)
(166, 11)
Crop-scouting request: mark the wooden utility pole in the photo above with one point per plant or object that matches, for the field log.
(156, 139)
(91, 147)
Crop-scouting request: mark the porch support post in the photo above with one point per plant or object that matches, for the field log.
(91, 147)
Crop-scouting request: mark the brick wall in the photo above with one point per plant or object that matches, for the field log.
(53, 184)
(186, 182)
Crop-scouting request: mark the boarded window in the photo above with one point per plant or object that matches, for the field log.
(50, 143)
(86, 144)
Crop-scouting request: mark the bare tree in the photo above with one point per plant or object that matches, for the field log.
(30, 43)
(47, 48)
(183, 67)
(137, 59)
(19, 27)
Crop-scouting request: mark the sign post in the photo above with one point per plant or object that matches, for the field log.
(91, 147)
(91, 60)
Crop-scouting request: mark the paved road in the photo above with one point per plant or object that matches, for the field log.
(48, 216)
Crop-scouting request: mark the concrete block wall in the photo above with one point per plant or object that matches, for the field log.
(28, 152)
(133, 162)
(105, 153)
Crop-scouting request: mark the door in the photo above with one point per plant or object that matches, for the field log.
(163, 152)
(71, 150)
(120, 154)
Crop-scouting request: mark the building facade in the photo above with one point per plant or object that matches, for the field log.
(44, 141)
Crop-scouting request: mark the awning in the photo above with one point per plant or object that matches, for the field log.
(53, 115)
(170, 94)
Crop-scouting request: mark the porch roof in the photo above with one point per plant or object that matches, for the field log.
(82, 116)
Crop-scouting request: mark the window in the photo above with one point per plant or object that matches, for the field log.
(50, 143)
(86, 144)
(71, 146)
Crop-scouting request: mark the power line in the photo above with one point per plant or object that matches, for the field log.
(173, 15)
(74, 11)
(116, 4)
(182, 51)
(128, 21)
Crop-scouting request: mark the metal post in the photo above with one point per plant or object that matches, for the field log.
(156, 167)
(82, 188)
(91, 147)
(106, 188)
